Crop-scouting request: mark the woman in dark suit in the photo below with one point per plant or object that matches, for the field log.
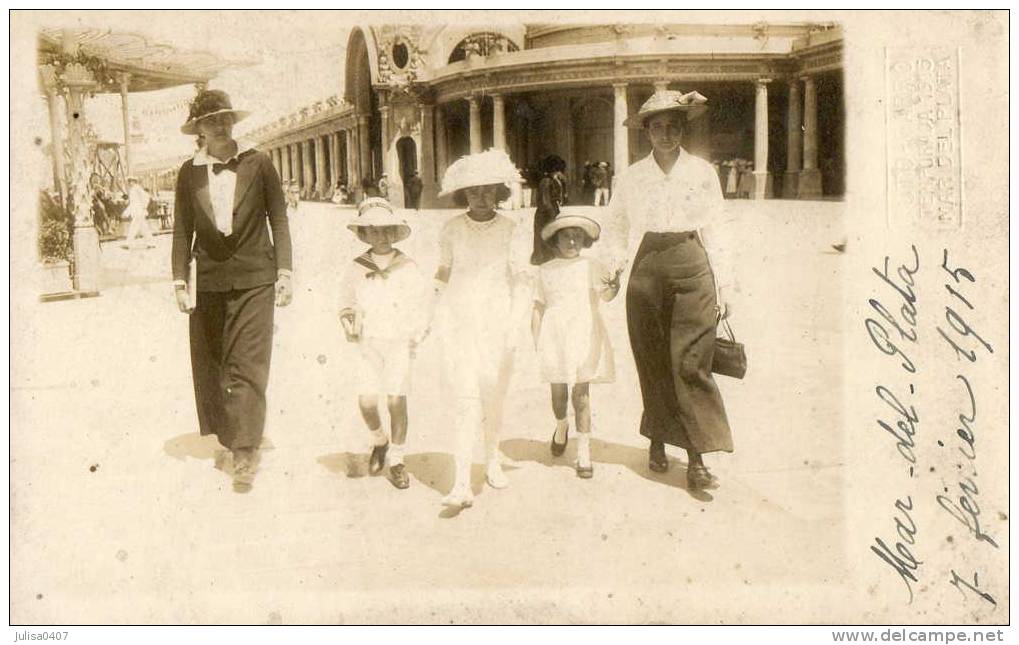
(226, 195)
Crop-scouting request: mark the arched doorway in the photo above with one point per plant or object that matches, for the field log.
(406, 151)
(366, 141)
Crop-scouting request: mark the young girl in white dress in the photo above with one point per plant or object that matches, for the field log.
(483, 293)
(569, 334)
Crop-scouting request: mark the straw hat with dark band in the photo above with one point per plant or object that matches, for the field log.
(210, 103)
(692, 104)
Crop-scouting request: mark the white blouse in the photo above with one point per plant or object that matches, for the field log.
(687, 198)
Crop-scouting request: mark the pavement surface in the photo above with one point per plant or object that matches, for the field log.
(119, 514)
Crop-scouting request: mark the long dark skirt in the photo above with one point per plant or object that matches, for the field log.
(670, 311)
(543, 251)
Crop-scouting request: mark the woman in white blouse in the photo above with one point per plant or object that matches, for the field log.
(672, 203)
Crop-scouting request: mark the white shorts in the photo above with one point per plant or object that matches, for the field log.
(384, 366)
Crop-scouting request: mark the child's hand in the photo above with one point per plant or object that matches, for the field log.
(611, 285)
(350, 329)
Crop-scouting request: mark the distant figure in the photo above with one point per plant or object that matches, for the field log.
(413, 191)
(293, 194)
(587, 185)
(551, 196)
(732, 179)
(339, 193)
(600, 183)
(384, 186)
(138, 210)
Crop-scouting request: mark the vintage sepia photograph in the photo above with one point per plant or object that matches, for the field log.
(509, 317)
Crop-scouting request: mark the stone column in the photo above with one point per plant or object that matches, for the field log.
(620, 133)
(498, 122)
(364, 147)
(49, 84)
(427, 169)
(307, 176)
(334, 159)
(388, 167)
(794, 143)
(285, 155)
(353, 174)
(475, 131)
(295, 163)
(79, 82)
(762, 178)
(810, 177)
(441, 144)
(125, 80)
(564, 127)
(321, 177)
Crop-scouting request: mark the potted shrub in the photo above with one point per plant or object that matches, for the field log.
(56, 226)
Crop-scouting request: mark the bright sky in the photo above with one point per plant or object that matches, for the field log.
(301, 58)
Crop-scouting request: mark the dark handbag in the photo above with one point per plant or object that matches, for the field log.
(730, 357)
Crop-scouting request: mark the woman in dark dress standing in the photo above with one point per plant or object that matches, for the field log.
(679, 285)
(551, 196)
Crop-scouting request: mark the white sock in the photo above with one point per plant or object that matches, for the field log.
(379, 437)
(584, 448)
(395, 454)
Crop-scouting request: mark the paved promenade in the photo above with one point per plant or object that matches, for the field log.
(119, 515)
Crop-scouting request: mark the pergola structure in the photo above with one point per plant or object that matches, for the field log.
(75, 64)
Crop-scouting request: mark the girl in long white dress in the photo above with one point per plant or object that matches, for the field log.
(476, 282)
(569, 334)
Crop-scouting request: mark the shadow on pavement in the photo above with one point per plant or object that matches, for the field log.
(603, 452)
(433, 469)
(192, 445)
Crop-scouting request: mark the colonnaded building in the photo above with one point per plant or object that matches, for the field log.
(418, 97)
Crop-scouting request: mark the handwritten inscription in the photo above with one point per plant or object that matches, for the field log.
(924, 153)
(894, 329)
(960, 499)
(900, 557)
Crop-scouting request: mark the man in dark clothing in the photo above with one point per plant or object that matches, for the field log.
(414, 188)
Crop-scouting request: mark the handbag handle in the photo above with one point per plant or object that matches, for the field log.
(725, 325)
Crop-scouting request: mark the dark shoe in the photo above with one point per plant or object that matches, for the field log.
(585, 472)
(699, 478)
(657, 460)
(558, 449)
(378, 459)
(398, 476)
(244, 470)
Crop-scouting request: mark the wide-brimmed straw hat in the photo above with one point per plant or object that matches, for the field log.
(569, 219)
(378, 212)
(480, 169)
(692, 104)
(210, 103)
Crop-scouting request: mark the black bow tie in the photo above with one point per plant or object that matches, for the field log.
(230, 165)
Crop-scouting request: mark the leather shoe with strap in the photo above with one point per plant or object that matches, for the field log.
(657, 461)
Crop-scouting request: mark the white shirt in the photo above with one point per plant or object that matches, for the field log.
(221, 186)
(392, 306)
(687, 198)
(221, 193)
(138, 201)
